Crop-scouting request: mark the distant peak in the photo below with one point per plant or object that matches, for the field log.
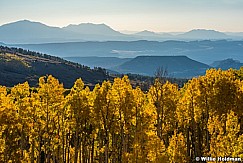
(203, 30)
(202, 34)
(87, 24)
(146, 31)
(91, 28)
(91, 23)
(24, 22)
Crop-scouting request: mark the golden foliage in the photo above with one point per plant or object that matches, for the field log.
(117, 123)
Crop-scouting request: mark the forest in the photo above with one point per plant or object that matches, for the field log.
(116, 123)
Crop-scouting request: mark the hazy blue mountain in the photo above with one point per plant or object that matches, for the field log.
(93, 29)
(195, 34)
(227, 64)
(33, 32)
(104, 62)
(147, 33)
(203, 34)
(97, 32)
(202, 51)
(26, 31)
(177, 66)
(152, 34)
(166, 35)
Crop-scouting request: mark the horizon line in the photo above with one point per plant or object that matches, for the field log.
(122, 30)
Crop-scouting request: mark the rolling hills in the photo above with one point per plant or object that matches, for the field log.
(18, 65)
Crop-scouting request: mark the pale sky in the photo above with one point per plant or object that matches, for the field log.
(132, 15)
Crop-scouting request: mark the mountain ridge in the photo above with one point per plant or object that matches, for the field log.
(227, 64)
(25, 31)
(91, 28)
(203, 34)
(177, 66)
(18, 65)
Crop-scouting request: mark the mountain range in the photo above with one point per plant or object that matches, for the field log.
(26, 31)
(97, 45)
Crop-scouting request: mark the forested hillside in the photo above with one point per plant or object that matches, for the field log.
(118, 123)
(18, 65)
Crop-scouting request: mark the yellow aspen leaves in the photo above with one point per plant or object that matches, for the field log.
(115, 122)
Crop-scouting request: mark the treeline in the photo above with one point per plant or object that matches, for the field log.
(116, 123)
(145, 82)
(18, 65)
(14, 50)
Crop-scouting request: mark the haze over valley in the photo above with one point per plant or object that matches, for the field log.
(120, 35)
(98, 45)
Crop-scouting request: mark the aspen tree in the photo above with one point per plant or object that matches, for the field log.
(165, 99)
(177, 149)
(51, 102)
(80, 115)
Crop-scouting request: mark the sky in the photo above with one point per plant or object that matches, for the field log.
(131, 15)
